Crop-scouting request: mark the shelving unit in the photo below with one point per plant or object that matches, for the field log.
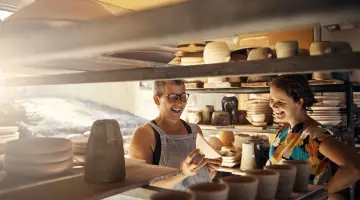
(79, 50)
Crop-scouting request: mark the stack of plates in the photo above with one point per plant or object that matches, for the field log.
(327, 111)
(38, 157)
(7, 133)
(231, 156)
(79, 146)
(258, 107)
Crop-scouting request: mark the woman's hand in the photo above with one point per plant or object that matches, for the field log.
(214, 164)
(190, 166)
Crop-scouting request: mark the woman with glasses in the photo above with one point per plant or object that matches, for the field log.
(169, 141)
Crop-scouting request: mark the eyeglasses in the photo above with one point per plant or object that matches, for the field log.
(174, 97)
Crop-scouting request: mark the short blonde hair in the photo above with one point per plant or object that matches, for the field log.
(159, 86)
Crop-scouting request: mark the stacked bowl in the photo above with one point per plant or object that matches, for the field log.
(79, 146)
(7, 133)
(259, 112)
(327, 111)
(38, 157)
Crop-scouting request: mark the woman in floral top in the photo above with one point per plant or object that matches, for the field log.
(303, 138)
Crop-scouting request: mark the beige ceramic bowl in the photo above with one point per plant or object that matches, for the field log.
(216, 52)
(285, 49)
(173, 195)
(241, 187)
(258, 118)
(226, 137)
(209, 191)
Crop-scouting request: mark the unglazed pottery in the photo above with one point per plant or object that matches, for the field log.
(173, 195)
(303, 171)
(286, 180)
(226, 137)
(285, 49)
(241, 187)
(209, 191)
(268, 181)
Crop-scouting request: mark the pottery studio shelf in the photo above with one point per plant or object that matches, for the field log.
(71, 185)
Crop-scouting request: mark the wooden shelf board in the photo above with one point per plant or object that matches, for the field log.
(240, 128)
(72, 185)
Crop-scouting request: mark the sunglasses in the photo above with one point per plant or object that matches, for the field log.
(174, 97)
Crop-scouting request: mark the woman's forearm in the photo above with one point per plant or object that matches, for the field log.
(344, 178)
(170, 182)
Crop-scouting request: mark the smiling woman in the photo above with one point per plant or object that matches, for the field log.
(303, 138)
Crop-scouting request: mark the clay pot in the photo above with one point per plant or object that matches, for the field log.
(209, 191)
(285, 49)
(173, 195)
(322, 76)
(220, 118)
(286, 180)
(216, 52)
(195, 116)
(207, 113)
(226, 137)
(303, 171)
(240, 139)
(268, 181)
(241, 187)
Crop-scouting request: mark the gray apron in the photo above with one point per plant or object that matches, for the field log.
(174, 150)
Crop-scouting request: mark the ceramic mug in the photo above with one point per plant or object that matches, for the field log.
(173, 195)
(241, 187)
(286, 180)
(209, 191)
(268, 181)
(303, 171)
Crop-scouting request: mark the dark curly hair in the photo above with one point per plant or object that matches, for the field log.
(296, 87)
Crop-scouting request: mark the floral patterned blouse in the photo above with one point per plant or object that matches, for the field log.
(301, 143)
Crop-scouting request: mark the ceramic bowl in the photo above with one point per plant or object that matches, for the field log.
(287, 175)
(241, 187)
(303, 171)
(226, 137)
(216, 52)
(173, 195)
(258, 118)
(268, 181)
(209, 191)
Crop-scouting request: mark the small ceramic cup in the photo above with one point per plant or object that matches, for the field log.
(286, 180)
(285, 49)
(241, 187)
(268, 181)
(173, 195)
(209, 191)
(258, 118)
(303, 171)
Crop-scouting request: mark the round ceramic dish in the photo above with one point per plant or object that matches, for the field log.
(39, 159)
(34, 146)
(38, 170)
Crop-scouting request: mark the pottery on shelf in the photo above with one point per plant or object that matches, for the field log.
(226, 137)
(303, 171)
(220, 118)
(195, 116)
(207, 113)
(248, 161)
(209, 191)
(216, 79)
(285, 49)
(216, 52)
(258, 118)
(268, 181)
(259, 54)
(241, 187)
(286, 180)
(230, 104)
(35, 146)
(240, 139)
(191, 46)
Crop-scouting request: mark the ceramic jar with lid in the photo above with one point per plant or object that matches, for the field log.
(230, 105)
(207, 113)
(216, 52)
(285, 49)
(220, 118)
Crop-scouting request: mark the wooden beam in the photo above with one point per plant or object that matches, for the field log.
(185, 21)
(301, 64)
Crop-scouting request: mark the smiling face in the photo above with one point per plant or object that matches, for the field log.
(284, 107)
(171, 110)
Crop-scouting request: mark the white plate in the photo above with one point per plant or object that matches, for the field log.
(41, 158)
(325, 108)
(330, 123)
(205, 148)
(327, 103)
(232, 164)
(33, 146)
(38, 170)
(7, 129)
